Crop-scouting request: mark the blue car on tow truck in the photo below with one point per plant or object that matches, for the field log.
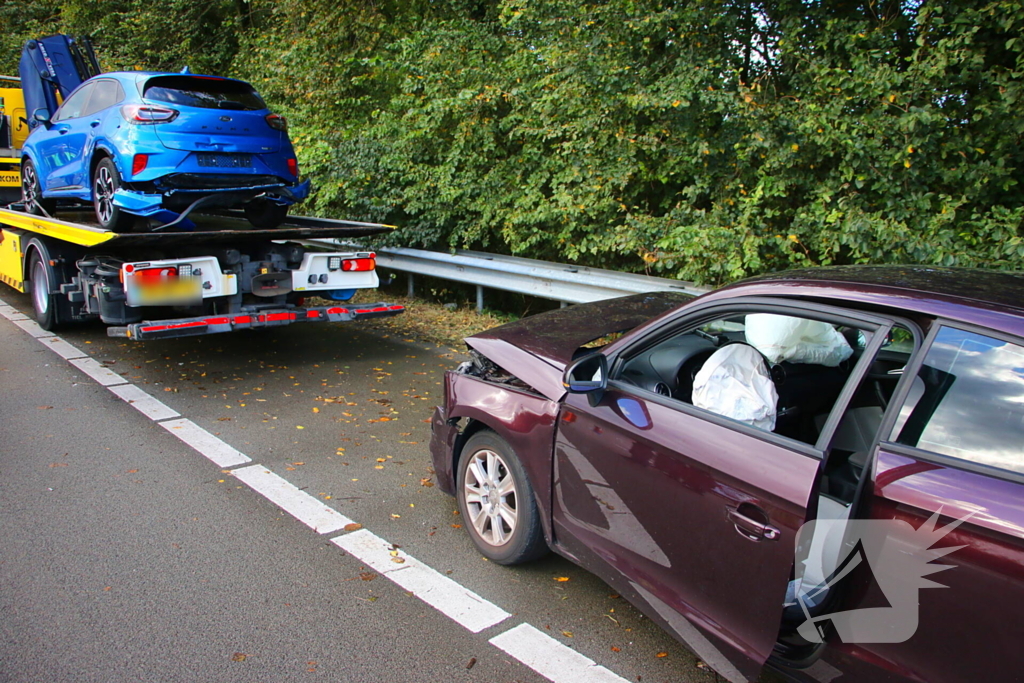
(152, 145)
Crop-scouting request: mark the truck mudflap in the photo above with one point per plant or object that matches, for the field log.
(273, 317)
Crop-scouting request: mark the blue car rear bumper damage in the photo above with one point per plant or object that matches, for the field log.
(147, 204)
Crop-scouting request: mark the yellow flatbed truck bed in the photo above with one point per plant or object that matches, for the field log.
(224, 274)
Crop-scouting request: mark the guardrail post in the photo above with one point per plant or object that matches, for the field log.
(479, 299)
(411, 290)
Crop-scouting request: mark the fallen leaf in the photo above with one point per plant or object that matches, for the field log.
(425, 481)
(316, 410)
(561, 579)
(567, 634)
(132, 471)
(661, 654)
(381, 460)
(456, 526)
(238, 657)
(299, 427)
(701, 665)
(472, 661)
(367, 576)
(44, 407)
(393, 516)
(615, 649)
(59, 464)
(398, 560)
(354, 526)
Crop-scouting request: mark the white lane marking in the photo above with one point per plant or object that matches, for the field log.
(550, 658)
(98, 372)
(12, 313)
(60, 347)
(446, 596)
(206, 443)
(143, 402)
(32, 327)
(291, 499)
(532, 647)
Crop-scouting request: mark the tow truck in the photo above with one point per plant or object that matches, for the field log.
(200, 274)
(222, 276)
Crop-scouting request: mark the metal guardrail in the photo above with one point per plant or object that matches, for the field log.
(562, 282)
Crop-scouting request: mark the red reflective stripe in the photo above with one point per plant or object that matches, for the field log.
(271, 317)
(219, 321)
(157, 328)
(378, 309)
(396, 307)
(313, 314)
(242, 319)
(336, 310)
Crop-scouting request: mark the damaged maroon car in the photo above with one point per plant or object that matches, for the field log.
(769, 470)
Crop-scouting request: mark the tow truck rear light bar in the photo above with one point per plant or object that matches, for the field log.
(190, 327)
(359, 264)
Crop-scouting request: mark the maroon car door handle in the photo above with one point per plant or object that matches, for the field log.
(746, 518)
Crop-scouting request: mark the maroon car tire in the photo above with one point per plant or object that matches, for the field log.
(497, 502)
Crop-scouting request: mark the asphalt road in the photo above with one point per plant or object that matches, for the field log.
(126, 555)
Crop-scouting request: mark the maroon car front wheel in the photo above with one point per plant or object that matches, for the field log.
(497, 501)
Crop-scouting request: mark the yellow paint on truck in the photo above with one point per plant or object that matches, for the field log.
(12, 271)
(75, 233)
(13, 131)
(10, 174)
(14, 107)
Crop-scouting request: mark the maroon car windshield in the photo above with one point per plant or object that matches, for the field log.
(205, 92)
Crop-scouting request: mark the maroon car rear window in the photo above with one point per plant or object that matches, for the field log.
(967, 401)
(205, 92)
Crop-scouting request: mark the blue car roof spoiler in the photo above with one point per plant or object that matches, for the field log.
(50, 68)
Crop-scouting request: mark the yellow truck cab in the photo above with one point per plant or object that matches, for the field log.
(13, 131)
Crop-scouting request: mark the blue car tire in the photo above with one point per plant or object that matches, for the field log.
(265, 214)
(105, 181)
(32, 192)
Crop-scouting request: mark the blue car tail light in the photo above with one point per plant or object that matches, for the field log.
(277, 122)
(143, 114)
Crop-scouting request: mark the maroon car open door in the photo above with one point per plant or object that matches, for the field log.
(699, 516)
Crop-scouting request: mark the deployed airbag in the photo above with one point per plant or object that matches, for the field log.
(734, 382)
(797, 340)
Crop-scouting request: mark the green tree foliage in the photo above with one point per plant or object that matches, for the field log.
(705, 140)
(131, 34)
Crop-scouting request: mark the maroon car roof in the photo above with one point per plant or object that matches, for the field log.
(994, 288)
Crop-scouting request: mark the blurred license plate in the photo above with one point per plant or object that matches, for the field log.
(183, 291)
(209, 160)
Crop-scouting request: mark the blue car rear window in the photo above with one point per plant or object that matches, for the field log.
(205, 92)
